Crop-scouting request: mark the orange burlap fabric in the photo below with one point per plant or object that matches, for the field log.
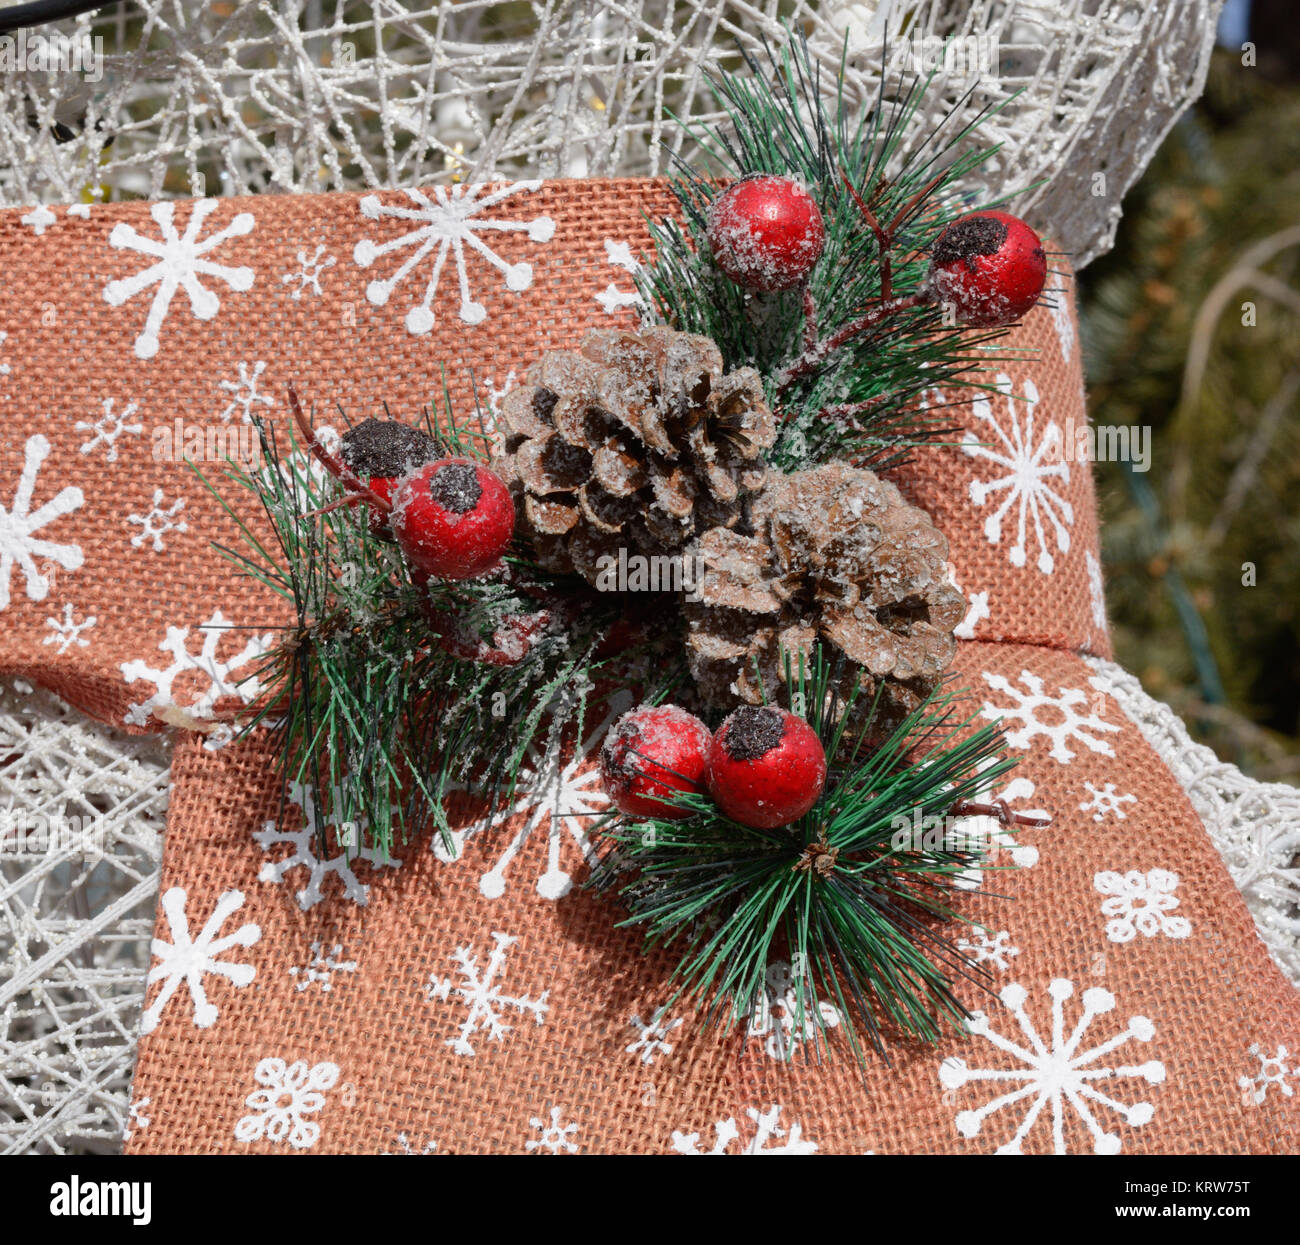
(487, 1004)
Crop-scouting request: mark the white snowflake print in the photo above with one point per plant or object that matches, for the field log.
(652, 1035)
(1140, 903)
(321, 967)
(18, 543)
(67, 630)
(450, 222)
(82, 210)
(977, 608)
(1273, 1073)
(180, 260)
(983, 947)
(1106, 801)
(158, 522)
(108, 427)
(205, 664)
(482, 995)
(1030, 466)
(1057, 718)
(767, 1137)
(4, 367)
(779, 1021)
(1096, 592)
(189, 960)
(554, 796)
(405, 1146)
(1059, 304)
(1054, 1070)
(611, 298)
(290, 1092)
(310, 270)
(990, 836)
(243, 393)
(39, 219)
(136, 1120)
(305, 845)
(555, 1138)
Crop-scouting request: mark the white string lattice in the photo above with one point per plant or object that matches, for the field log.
(312, 95)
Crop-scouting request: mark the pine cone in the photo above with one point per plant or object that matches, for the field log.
(635, 441)
(838, 556)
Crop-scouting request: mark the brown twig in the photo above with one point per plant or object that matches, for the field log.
(999, 809)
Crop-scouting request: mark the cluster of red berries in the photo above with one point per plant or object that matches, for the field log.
(763, 768)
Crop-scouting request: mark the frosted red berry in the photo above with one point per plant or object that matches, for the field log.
(380, 453)
(766, 233)
(453, 518)
(990, 267)
(651, 753)
(766, 767)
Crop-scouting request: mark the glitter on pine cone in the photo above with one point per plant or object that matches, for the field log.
(635, 441)
(837, 556)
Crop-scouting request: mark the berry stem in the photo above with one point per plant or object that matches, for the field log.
(809, 318)
(332, 463)
(999, 809)
(813, 356)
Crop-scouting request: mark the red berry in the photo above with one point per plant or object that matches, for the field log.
(654, 752)
(380, 453)
(766, 232)
(453, 518)
(990, 266)
(766, 767)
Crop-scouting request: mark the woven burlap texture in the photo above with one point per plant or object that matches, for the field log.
(1171, 1020)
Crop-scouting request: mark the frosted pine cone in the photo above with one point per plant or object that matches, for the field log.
(635, 441)
(837, 556)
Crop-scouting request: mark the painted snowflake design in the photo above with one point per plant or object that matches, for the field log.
(555, 1138)
(67, 630)
(551, 793)
(1057, 718)
(450, 222)
(1272, 1072)
(977, 608)
(205, 664)
(768, 1137)
(405, 1146)
(290, 1093)
(305, 844)
(136, 1120)
(4, 367)
(321, 967)
(1140, 903)
(1054, 1071)
(652, 1034)
(108, 427)
(1106, 801)
(243, 393)
(39, 219)
(310, 270)
(158, 522)
(990, 836)
(611, 298)
(180, 260)
(780, 1021)
(188, 959)
(1030, 467)
(983, 947)
(18, 524)
(1096, 592)
(482, 995)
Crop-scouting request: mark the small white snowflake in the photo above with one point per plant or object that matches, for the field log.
(781, 1019)
(158, 522)
(321, 967)
(108, 428)
(449, 222)
(1273, 1072)
(481, 993)
(984, 947)
(1140, 903)
(652, 1036)
(305, 844)
(39, 219)
(611, 298)
(290, 1093)
(1106, 801)
(405, 1146)
(1057, 718)
(136, 1120)
(768, 1136)
(310, 270)
(19, 522)
(1030, 466)
(189, 960)
(4, 367)
(1054, 1071)
(555, 1138)
(180, 262)
(989, 834)
(1096, 592)
(162, 704)
(977, 608)
(243, 393)
(67, 631)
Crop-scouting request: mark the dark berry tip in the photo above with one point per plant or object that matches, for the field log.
(386, 449)
(753, 731)
(963, 240)
(455, 487)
